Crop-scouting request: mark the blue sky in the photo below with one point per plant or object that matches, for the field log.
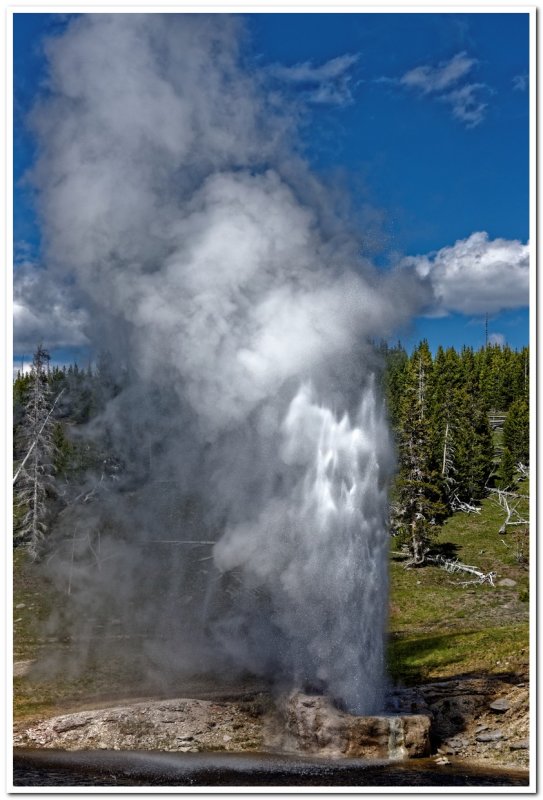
(423, 117)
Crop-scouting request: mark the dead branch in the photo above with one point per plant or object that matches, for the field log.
(507, 493)
(460, 505)
(453, 565)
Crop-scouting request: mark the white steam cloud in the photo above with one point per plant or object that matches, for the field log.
(209, 264)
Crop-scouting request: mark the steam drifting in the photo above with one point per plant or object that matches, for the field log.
(176, 209)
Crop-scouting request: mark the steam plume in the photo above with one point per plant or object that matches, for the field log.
(174, 205)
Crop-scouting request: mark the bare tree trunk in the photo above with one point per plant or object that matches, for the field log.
(444, 464)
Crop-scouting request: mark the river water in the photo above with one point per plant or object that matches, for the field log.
(138, 768)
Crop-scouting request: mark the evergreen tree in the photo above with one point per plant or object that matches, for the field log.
(21, 387)
(396, 363)
(418, 497)
(445, 417)
(516, 432)
(474, 448)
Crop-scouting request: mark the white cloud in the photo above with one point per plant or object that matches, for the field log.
(520, 83)
(477, 275)
(446, 83)
(430, 79)
(326, 83)
(466, 104)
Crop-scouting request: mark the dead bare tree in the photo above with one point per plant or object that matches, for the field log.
(510, 501)
(35, 472)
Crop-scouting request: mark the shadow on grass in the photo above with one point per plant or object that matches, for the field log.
(408, 657)
(445, 549)
(416, 658)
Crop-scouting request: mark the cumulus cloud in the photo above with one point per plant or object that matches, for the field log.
(477, 275)
(447, 82)
(327, 83)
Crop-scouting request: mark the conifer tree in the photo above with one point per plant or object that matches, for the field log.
(516, 432)
(445, 417)
(474, 447)
(396, 363)
(418, 503)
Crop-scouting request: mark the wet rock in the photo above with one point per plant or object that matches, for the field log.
(500, 705)
(311, 724)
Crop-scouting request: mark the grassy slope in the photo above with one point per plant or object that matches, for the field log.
(437, 628)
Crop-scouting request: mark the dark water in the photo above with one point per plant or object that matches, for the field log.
(137, 768)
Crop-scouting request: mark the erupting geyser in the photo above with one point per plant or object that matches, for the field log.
(319, 548)
(246, 527)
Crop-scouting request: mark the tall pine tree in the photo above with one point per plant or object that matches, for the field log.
(418, 497)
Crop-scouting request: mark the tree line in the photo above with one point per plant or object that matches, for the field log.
(460, 421)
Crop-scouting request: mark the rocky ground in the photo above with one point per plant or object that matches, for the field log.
(174, 725)
(480, 719)
(476, 719)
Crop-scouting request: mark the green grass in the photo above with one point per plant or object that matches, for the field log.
(439, 628)
(420, 657)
